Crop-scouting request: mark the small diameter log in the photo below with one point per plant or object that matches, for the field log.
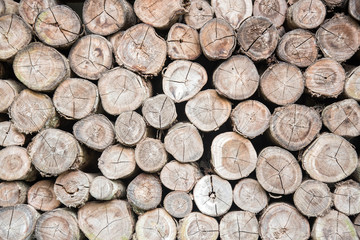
(141, 50)
(183, 42)
(325, 78)
(294, 126)
(330, 158)
(278, 171)
(298, 47)
(42, 197)
(237, 78)
(313, 198)
(347, 197)
(117, 162)
(106, 220)
(275, 10)
(198, 13)
(354, 9)
(15, 35)
(9, 90)
(159, 111)
(282, 83)
(102, 188)
(250, 196)
(182, 80)
(59, 224)
(18, 222)
(122, 90)
(338, 37)
(184, 143)
(130, 128)
(40, 67)
(233, 11)
(29, 9)
(352, 84)
(306, 14)
(12, 193)
(144, 192)
(217, 39)
(207, 110)
(32, 111)
(155, 224)
(9, 135)
(150, 155)
(333, 225)
(198, 226)
(239, 225)
(180, 176)
(91, 56)
(105, 17)
(178, 204)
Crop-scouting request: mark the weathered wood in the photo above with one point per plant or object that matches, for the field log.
(11, 7)
(2, 7)
(114, 40)
(239, 225)
(357, 224)
(184, 143)
(306, 14)
(237, 78)
(352, 84)
(335, 3)
(178, 204)
(347, 197)
(9, 90)
(354, 9)
(330, 158)
(217, 39)
(250, 196)
(278, 171)
(13, 193)
(198, 226)
(150, 155)
(313, 198)
(102, 188)
(198, 13)
(130, 128)
(42, 197)
(233, 11)
(294, 126)
(29, 9)
(182, 80)
(9, 135)
(275, 10)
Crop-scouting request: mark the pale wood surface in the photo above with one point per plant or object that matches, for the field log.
(42, 197)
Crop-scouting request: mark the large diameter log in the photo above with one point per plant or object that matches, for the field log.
(102, 188)
(150, 155)
(178, 204)
(13, 193)
(347, 197)
(275, 10)
(306, 14)
(106, 220)
(42, 197)
(330, 158)
(198, 226)
(239, 225)
(130, 128)
(9, 135)
(29, 9)
(232, 11)
(354, 9)
(352, 84)
(198, 13)
(9, 90)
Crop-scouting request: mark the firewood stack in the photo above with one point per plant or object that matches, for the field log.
(179, 119)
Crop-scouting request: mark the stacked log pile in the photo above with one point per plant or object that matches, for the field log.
(174, 119)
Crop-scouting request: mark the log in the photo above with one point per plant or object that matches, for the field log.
(130, 128)
(294, 126)
(306, 14)
(13, 193)
(278, 171)
(354, 9)
(117, 162)
(275, 10)
(178, 204)
(115, 39)
(106, 220)
(150, 155)
(122, 90)
(237, 78)
(330, 158)
(10, 136)
(313, 198)
(184, 143)
(357, 224)
(217, 39)
(91, 56)
(29, 9)
(42, 197)
(207, 110)
(102, 188)
(182, 80)
(233, 11)
(2, 7)
(159, 111)
(155, 224)
(352, 83)
(282, 220)
(239, 225)
(9, 90)
(250, 196)
(347, 197)
(11, 7)
(198, 226)
(198, 13)
(298, 47)
(59, 224)
(282, 83)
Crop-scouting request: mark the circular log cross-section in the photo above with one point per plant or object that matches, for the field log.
(275, 10)
(207, 110)
(352, 84)
(294, 126)
(150, 155)
(182, 80)
(184, 143)
(232, 156)
(282, 83)
(13, 193)
(40, 67)
(313, 198)
(213, 195)
(130, 128)
(237, 78)
(282, 221)
(9, 90)
(9, 135)
(141, 50)
(198, 226)
(330, 158)
(306, 14)
(42, 197)
(347, 197)
(239, 225)
(354, 9)
(278, 171)
(232, 11)
(178, 204)
(198, 13)
(104, 189)
(91, 56)
(217, 39)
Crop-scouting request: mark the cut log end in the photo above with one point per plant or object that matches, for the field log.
(234, 11)
(150, 155)
(13, 193)
(198, 13)
(130, 128)
(306, 14)
(42, 197)
(352, 84)
(104, 189)
(9, 90)
(347, 197)
(10, 136)
(178, 204)
(238, 225)
(196, 226)
(275, 10)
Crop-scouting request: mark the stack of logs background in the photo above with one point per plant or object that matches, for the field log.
(173, 119)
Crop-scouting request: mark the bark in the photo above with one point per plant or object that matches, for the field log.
(347, 197)
(102, 188)
(306, 14)
(130, 128)
(42, 197)
(233, 11)
(9, 135)
(198, 13)
(178, 204)
(354, 9)
(198, 226)
(275, 10)
(150, 155)
(29, 9)
(9, 90)
(239, 225)
(352, 84)
(13, 193)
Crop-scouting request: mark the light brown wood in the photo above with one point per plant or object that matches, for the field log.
(233, 11)
(102, 188)
(9, 90)
(239, 225)
(150, 155)
(9, 135)
(356, 223)
(198, 226)
(11, 7)
(182, 80)
(198, 13)
(42, 197)
(114, 40)
(178, 204)
(130, 128)
(306, 14)
(352, 84)
(2, 7)
(354, 9)
(13, 193)
(294, 126)
(184, 143)
(29, 9)
(275, 10)
(237, 78)
(122, 90)
(330, 158)
(91, 56)
(278, 171)
(347, 197)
